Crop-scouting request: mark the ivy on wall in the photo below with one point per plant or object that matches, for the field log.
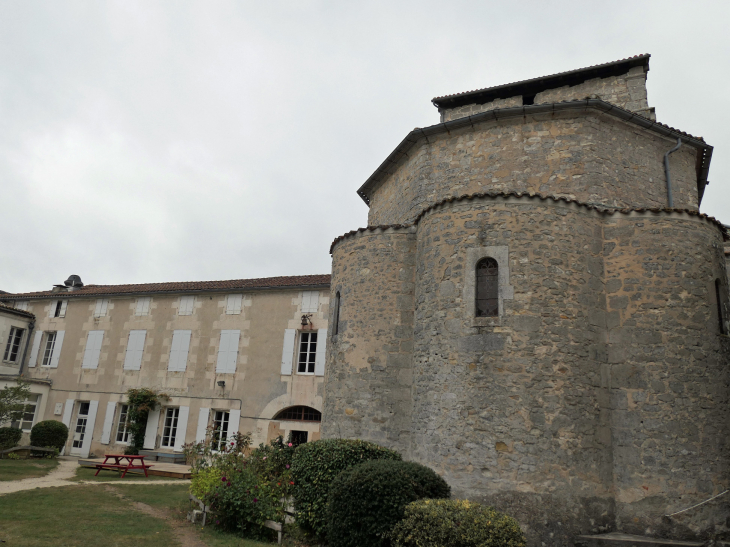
(141, 402)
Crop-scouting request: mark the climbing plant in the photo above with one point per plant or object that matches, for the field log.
(141, 402)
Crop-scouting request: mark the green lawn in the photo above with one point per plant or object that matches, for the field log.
(87, 474)
(96, 515)
(13, 470)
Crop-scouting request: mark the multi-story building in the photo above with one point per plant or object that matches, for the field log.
(241, 355)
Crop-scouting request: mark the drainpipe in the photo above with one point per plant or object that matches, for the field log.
(666, 172)
(31, 326)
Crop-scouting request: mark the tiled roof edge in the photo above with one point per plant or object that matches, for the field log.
(173, 287)
(560, 79)
(543, 197)
(519, 111)
(22, 313)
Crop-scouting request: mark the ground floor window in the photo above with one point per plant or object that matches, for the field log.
(122, 426)
(170, 430)
(81, 421)
(300, 414)
(26, 421)
(299, 437)
(220, 429)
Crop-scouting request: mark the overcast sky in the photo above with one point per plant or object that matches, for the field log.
(179, 141)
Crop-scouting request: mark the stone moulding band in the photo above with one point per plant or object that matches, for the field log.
(534, 195)
(498, 114)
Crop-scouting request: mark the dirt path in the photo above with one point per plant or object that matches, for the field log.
(181, 530)
(60, 477)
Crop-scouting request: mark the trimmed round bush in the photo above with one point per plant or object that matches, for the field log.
(315, 465)
(9, 437)
(455, 523)
(49, 434)
(367, 500)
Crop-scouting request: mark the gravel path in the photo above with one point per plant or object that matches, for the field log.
(60, 477)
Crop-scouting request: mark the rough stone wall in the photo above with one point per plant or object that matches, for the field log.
(627, 91)
(668, 373)
(369, 362)
(586, 156)
(512, 414)
(470, 109)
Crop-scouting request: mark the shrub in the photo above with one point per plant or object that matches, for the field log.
(455, 523)
(367, 500)
(49, 433)
(204, 481)
(315, 465)
(9, 437)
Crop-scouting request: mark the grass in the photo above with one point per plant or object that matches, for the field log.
(13, 470)
(87, 474)
(92, 515)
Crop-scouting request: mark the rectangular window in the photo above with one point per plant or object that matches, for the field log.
(186, 305)
(179, 350)
(135, 350)
(228, 351)
(48, 351)
(58, 308)
(21, 305)
(307, 352)
(299, 437)
(26, 421)
(93, 349)
(101, 305)
(81, 421)
(122, 426)
(233, 304)
(310, 301)
(13, 348)
(143, 306)
(169, 432)
(220, 429)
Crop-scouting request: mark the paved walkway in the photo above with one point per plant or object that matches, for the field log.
(60, 477)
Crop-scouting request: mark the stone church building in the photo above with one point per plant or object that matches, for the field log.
(538, 310)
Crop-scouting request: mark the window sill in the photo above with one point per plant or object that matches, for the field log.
(305, 373)
(486, 322)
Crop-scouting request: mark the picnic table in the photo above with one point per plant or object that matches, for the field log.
(132, 462)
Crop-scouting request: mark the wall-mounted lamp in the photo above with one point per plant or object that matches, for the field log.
(306, 320)
(221, 383)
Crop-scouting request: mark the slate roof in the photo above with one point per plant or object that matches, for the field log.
(536, 85)
(285, 282)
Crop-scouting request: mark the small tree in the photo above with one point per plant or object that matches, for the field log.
(12, 401)
(141, 402)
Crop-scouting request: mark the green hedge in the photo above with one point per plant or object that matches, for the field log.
(9, 437)
(49, 433)
(315, 465)
(367, 500)
(455, 523)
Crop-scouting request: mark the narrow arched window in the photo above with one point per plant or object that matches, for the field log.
(336, 317)
(487, 293)
(718, 299)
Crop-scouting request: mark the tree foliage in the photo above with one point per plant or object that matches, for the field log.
(12, 399)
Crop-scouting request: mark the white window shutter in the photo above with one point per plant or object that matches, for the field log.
(101, 306)
(23, 305)
(222, 364)
(310, 301)
(321, 352)
(179, 350)
(150, 432)
(182, 427)
(90, 421)
(57, 349)
(203, 415)
(143, 306)
(233, 304)
(52, 312)
(67, 409)
(36, 348)
(234, 418)
(287, 354)
(186, 305)
(106, 433)
(234, 337)
(93, 349)
(64, 305)
(135, 350)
